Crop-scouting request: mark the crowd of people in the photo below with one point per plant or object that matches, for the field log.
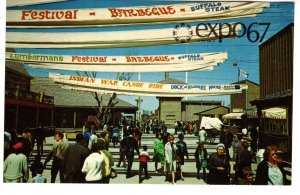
(89, 160)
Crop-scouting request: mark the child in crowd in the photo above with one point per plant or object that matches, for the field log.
(247, 176)
(201, 160)
(144, 159)
(39, 178)
(36, 163)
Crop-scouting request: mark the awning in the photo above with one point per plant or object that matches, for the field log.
(211, 123)
(233, 115)
(275, 113)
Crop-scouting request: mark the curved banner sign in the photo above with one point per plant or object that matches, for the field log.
(141, 63)
(121, 39)
(109, 92)
(151, 89)
(128, 68)
(194, 58)
(138, 15)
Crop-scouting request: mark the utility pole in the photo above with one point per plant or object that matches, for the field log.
(138, 102)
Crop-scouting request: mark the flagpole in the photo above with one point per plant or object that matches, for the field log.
(238, 74)
(186, 73)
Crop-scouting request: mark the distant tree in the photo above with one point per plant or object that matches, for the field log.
(104, 115)
(98, 97)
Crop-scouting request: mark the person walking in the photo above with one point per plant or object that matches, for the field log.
(7, 144)
(35, 165)
(144, 159)
(15, 166)
(201, 160)
(244, 159)
(227, 141)
(106, 169)
(122, 151)
(75, 156)
(219, 167)
(93, 165)
(39, 137)
(138, 135)
(39, 178)
(254, 138)
(115, 136)
(28, 135)
(130, 144)
(170, 158)
(202, 135)
(26, 146)
(236, 146)
(175, 127)
(165, 135)
(181, 152)
(87, 134)
(93, 139)
(270, 170)
(159, 154)
(57, 153)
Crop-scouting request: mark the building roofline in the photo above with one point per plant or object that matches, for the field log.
(197, 113)
(244, 81)
(277, 34)
(201, 101)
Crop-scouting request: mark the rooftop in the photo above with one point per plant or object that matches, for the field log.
(16, 67)
(69, 98)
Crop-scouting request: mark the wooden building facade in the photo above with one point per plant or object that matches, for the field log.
(73, 108)
(276, 80)
(24, 108)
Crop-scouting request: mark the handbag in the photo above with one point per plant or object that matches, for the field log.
(113, 173)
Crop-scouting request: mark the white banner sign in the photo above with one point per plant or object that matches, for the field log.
(153, 89)
(117, 39)
(117, 16)
(109, 92)
(194, 58)
(128, 68)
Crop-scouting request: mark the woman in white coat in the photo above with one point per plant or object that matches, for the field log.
(93, 165)
(170, 158)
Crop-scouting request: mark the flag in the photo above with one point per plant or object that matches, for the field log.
(243, 73)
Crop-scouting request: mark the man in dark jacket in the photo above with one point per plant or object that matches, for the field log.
(130, 144)
(39, 137)
(74, 159)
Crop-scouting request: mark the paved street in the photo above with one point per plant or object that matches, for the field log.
(189, 168)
